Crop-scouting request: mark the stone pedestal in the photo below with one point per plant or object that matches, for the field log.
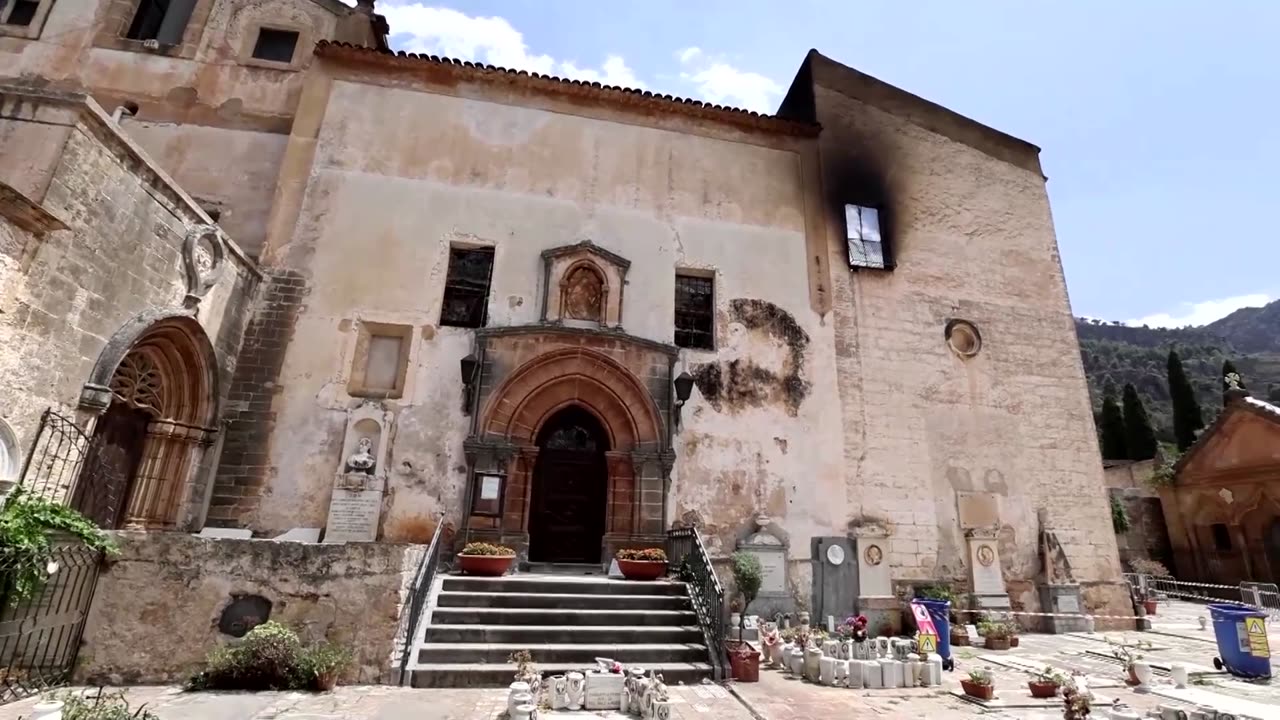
(875, 586)
(1063, 599)
(989, 592)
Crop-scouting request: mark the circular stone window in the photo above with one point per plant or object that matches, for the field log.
(963, 338)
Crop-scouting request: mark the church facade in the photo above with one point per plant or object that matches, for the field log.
(568, 318)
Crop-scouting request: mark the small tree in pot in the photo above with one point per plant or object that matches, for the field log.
(747, 578)
(1045, 684)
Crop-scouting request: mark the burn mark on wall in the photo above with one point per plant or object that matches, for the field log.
(859, 175)
(733, 385)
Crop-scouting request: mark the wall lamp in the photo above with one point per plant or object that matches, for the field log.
(684, 388)
(469, 365)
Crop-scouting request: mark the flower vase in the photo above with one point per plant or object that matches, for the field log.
(827, 670)
(1142, 673)
(523, 712)
(1178, 672)
(796, 663)
(575, 690)
(660, 710)
(516, 690)
(831, 648)
(558, 691)
(846, 650)
(811, 668)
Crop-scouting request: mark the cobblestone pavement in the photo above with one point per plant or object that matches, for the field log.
(1175, 637)
(701, 702)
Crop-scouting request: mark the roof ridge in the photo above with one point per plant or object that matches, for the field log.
(738, 116)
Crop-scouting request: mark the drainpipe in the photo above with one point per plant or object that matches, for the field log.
(670, 444)
(128, 109)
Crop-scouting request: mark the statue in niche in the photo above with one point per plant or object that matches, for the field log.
(362, 460)
(582, 295)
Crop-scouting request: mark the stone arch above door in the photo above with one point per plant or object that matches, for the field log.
(554, 380)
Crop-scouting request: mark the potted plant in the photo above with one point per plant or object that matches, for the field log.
(485, 559)
(1076, 705)
(1045, 684)
(979, 685)
(1128, 658)
(744, 660)
(325, 664)
(646, 564)
(1013, 633)
(995, 635)
(959, 635)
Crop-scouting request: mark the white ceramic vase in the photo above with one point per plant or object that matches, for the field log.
(1178, 672)
(812, 656)
(853, 675)
(47, 710)
(523, 712)
(660, 710)
(827, 670)
(575, 691)
(1142, 671)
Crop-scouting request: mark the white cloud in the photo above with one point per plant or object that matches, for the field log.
(421, 28)
(724, 84)
(1203, 313)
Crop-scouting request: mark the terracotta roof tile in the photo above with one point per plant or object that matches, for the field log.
(1264, 406)
(625, 97)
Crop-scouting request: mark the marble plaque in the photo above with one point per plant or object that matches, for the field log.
(353, 516)
(604, 691)
(1068, 604)
(984, 559)
(773, 567)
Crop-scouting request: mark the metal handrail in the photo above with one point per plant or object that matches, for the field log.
(687, 557)
(418, 595)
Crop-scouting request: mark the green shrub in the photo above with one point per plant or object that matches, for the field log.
(935, 592)
(106, 706)
(488, 549)
(270, 657)
(26, 523)
(646, 555)
(1119, 516)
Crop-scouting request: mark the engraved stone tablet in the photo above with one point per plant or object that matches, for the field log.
(353, 516)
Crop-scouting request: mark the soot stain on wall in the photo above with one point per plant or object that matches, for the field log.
(733, 385)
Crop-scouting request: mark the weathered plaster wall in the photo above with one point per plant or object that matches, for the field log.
(64, 294)
(166, 593)
(382, 207)
(973, 239)
(1129, 483)
(215, 120)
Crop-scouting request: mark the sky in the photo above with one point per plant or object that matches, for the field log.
(1150, 113)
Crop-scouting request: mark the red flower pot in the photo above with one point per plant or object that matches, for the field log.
(1043, 689)
(744, 661)
(974, 690)
(1149, 606)
(1013, 641)
(642, 569)
(996, 643)
(485, 565)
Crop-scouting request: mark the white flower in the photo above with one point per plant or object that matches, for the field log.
(52, 567)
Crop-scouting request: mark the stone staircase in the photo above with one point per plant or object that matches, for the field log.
(565, 622)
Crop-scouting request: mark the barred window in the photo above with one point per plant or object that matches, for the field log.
(695, 321)
(866, 248)
(466, 289)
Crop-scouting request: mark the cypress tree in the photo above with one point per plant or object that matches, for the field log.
(1228, 368)
(1139, 438)
(1186, 410)
(1113, 430)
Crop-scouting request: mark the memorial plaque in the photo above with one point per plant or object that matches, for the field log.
(1068, 604)
(773, 567)
(353, 516)
(604, 691)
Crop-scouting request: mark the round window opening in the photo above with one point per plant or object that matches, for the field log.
(963, 338)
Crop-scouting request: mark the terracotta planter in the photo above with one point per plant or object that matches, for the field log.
(744, 661)
(959, 639)
(1133, 677)
(1045, 689)
(327, 681)
(1013, 641)
(1149, 606)
(485, 565)
(996, 643)
(974, 690)
(642, 569)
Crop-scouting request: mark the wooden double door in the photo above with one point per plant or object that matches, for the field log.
(570, 487)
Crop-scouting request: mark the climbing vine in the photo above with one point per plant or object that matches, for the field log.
(27, 525)
(1119, 516)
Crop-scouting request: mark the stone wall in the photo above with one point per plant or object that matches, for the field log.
(166, 592)
(212, 115)
(66, 294)
(966, 214)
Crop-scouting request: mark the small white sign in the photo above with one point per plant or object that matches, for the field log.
(489, 485)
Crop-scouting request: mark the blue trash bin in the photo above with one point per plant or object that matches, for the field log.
(940, 613)
(1241, 632)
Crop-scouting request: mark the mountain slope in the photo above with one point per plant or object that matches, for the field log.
(1119, 354)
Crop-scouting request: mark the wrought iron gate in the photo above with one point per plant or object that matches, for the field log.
(40, 630)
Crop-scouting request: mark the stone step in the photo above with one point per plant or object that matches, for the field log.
(574, 569)
(572, 653)
(561, 586)
(541, 634)
(560, 616)
(565, 601)
(461, 675)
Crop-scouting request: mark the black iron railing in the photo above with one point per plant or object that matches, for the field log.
(40, 627)
(419, 593)
(687, 559)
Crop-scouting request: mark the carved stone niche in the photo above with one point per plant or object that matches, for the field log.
(583, 285)
(355, 508)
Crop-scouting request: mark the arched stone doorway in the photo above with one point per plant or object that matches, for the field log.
(570, 488)
(158, 416)
(1271, 544)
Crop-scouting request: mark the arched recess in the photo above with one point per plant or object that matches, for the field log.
(156, 386)
(584, 292)
(574, 375)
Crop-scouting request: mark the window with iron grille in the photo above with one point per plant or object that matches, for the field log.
(466, 289)
(866, 247)
(695, 320)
